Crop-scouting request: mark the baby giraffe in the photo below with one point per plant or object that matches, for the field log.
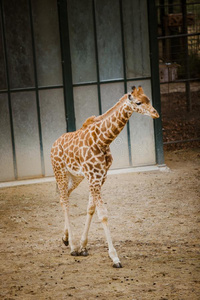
(85, 153)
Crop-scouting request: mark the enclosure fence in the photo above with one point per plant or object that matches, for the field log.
(179, 57)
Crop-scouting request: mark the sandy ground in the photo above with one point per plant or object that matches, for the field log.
(154, 220)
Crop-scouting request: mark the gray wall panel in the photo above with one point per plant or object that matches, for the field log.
(82, 44)
(85, 103)
(53, 122)
(19, 43)
(109, 39)
(47, 42)
(26, 134)
(6, 154)
(136, 38)
(142, 132)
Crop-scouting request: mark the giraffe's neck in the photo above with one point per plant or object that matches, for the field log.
(114, 121)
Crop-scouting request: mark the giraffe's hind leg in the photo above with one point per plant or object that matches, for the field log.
(84, 239)
(72, 183)
(66, 184)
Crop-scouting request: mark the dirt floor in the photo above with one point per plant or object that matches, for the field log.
(154, 220)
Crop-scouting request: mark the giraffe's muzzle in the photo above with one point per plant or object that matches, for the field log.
(154, 114)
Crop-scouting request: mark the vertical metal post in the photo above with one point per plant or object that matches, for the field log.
(97, 57)
(170, 7)
(186, 54)
(36, 89)
(125, 79)
(66, 65)
(162, 13)
(155, 83)
(9, 93)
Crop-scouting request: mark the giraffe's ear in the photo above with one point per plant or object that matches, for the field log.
(140, 90)
(133, 88)
(134, 91)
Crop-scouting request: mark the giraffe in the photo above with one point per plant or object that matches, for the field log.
(85, 153)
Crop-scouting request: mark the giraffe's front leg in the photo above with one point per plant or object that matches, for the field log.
(103, 217)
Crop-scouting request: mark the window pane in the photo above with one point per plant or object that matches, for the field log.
(19, 44)
(52, 120)
(142, 132)
(82, 41)
(26, 134)
(109, 39)
(110, 94)
(135, 20)
(47, 42)
(85, 103)
(6, 155)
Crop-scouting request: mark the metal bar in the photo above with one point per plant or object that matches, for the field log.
(32, 89)
(181, 80)
(139, 78)
(111, 81)
(177, 36)
(155, 84)
(36, 89)
(123, 46)
(97, 57)
(50, 87)
(170, 6)
(4, 92)
(125, 81)
(182, 141)
(173, 4)
(66, 65)
(187, 68)
(162, 13)
(85, 83)
(8, 92)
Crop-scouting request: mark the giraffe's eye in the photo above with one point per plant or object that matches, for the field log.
(130, 97)
(138, 103)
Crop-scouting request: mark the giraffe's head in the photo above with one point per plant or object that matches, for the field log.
(141, 103)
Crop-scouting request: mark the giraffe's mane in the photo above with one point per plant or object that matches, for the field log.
(94, 119)
(89, 121)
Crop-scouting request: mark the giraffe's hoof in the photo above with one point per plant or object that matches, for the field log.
(65, 242)
(117, 265)
(74, 253)
(84, 253)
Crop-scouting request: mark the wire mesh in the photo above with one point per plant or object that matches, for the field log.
(179, 66)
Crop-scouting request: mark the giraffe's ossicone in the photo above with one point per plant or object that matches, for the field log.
(85, 153)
